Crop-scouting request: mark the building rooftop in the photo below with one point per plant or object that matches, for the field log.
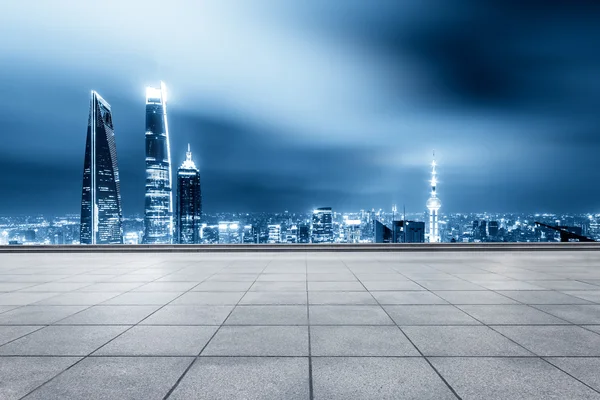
(300, 325)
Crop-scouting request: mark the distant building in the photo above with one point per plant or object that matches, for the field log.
(101, 215)
(249, 234)
(382, 233)
(158, 219)
(433, 205)
(493, 228)
(483, 229)
(229, 232)
(274, 234)
(351, 230)
(292, 234)
(303, 233)
(322, 225)
(189, 202)
(210, 234)
(408, 232)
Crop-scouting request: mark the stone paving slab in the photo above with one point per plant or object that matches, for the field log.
(300, 325)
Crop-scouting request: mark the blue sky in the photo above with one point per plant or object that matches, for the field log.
(293, 105)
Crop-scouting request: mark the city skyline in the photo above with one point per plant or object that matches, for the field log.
(299, 106)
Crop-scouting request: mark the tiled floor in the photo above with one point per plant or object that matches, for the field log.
(345, 325)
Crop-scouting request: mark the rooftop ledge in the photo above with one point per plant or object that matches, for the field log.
(363, 247)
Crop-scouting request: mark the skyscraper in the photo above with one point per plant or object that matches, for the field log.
(101, 215)
(322, 225)
(158, 221)
(433, 205)
(189, 202)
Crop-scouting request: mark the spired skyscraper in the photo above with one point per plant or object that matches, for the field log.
(158, 218)
(433, 205)
(101, 215)
(189, 202)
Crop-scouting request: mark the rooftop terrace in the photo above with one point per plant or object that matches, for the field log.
(301, 325)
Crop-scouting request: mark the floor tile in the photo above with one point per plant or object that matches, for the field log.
(565, 284)
(62, 341)
(209, 298)
(462, 341)
(554, 340)
(474, 297)
(509, 315)
(189, 315)
(407, 297)
(510, 378)
(110, 315)
(581, 314)
(21, 375)
(376, 378)
(142, 299)
(325, 297)
(391, 285)
(589, 295)
(336, 286)
(542, 297)
(278, 287)
(448, 285)
(585, 369)
(222, 287)
(348, 315)
(9, 333)
(268, 315)
(99, 378)
(24, 298)
(77, 299)
(148, 340)
(382, 341)
(259, 341)
(38, 315)
(177, 287)
(225, 378)
(274, 298)
(429, 315)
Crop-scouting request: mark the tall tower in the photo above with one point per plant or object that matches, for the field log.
(158, 221)
(433, 205)
(101, 216)
(189, 202)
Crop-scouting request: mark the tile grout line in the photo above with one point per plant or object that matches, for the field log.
(409, 340)
(104, 344)
(310, 369)
(522, 346)
(180, 379)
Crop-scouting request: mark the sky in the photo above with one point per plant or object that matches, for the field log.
(291, 105)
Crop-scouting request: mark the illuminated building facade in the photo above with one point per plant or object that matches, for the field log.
(158, 219)
(189, 202)
(274, 233)
(433, 205)
(101, 215)
(229, 232)
(322, 225)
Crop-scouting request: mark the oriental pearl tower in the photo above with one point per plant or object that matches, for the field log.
(433, 205)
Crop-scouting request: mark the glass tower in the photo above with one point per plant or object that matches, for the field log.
(158, 221)
(189, 202)
(101, 216)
